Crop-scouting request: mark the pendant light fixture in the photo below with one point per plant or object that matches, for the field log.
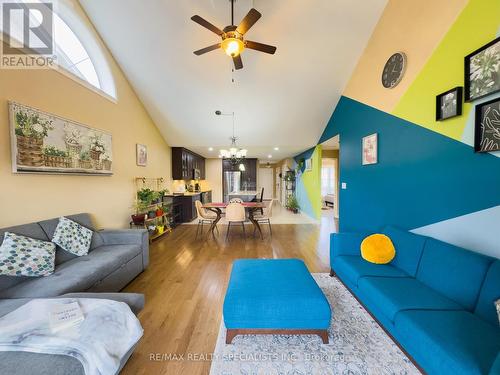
(235, 154)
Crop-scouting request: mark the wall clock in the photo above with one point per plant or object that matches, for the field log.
(394, 70)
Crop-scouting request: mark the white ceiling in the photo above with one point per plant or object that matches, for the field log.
(281, 101)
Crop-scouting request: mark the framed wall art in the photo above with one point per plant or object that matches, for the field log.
(482, 71)
(487, 126)
(308, 166)
(370, 149)
(449, 104)
(141, 155)
(42, 142)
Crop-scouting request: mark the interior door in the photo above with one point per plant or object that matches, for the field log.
(266, 182)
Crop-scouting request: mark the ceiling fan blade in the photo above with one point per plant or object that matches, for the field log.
(238, 64)
(252, 16)
(206, 49)
(266, 48)
(203, 22)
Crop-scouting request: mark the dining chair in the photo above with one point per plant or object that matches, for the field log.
(265, 218)
(235, 213)
(204, 216)
(236, 200)
(261, 199)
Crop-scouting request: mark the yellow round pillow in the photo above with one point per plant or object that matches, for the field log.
(377, 248)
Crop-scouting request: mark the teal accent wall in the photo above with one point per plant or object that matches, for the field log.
(422, 177)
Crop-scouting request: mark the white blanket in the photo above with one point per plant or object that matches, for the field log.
(109, 331)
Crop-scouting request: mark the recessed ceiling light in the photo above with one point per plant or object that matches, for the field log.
(276, 148)
(269, 156)
(210, 149)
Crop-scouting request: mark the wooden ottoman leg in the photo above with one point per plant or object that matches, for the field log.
(332, 272)
(230, 335)
(324, 336)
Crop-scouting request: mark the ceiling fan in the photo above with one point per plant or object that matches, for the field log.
(233, 42)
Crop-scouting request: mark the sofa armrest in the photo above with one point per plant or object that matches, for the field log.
(128, 237)
(134, 300)
(346, 243)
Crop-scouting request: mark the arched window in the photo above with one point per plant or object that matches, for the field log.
(76, 47)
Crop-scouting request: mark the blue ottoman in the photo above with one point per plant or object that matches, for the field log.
(274, 296)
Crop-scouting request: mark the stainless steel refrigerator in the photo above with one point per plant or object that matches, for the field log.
(232, 183)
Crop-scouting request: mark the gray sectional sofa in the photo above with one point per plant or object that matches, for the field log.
(115, 258)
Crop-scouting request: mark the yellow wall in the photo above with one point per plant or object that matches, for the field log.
(429, 21)
(26, 198)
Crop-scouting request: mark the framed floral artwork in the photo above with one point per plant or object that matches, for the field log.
(482, 71)
(141, 155)
(370, 149)
(42, 142)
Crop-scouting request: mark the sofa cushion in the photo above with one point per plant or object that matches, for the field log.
(409, 248)
(274, 294)
(346, 243)
(49, 227)
(377, 248)
(25, 256)
(449, 342)
(355, 267)
(33, 230)
(394, 295)
(452, 271)
(490, 292)
(76, 275)
(72, 237)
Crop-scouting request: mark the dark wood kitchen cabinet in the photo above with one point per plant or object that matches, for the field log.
(248, 176)
(184, 163)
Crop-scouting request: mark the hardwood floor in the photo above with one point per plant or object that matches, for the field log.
(185, 284)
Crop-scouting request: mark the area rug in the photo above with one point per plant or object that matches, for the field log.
(358, 345)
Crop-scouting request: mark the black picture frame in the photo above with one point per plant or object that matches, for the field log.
(481, 134)
(458, 96)
(467, 72)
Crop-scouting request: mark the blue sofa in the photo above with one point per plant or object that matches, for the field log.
(435, 299)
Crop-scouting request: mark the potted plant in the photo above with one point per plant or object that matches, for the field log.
(30, 130)
(300, 167)
(292, 204)
(163, 193)
(145, 195)
(140, 215)
(159, 212)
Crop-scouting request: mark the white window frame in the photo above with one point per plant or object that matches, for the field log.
(73, 17)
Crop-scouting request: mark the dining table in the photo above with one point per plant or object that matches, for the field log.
(251, 207)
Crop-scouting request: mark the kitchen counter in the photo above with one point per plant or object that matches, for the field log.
(187, 193)
(243, 193)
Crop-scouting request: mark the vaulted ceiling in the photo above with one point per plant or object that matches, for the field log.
(283, 101)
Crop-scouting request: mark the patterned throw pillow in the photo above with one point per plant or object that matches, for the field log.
(72, 237)
(24, 256)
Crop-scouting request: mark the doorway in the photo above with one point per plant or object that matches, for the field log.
(330, 177)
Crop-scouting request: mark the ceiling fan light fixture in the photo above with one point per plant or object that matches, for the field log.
(232, 46)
